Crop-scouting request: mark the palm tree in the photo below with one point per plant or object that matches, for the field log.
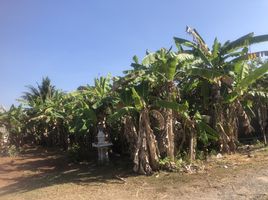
(43, 91)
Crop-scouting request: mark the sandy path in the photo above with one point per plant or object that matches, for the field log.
(41, 174)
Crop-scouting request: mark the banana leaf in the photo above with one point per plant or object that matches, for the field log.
(187, 43)
(237, 44)
(209, 74)
(173, 105)
(138, 102)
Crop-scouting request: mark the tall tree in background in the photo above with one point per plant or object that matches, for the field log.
(43, 91)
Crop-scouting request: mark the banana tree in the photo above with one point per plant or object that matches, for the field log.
(194, 125)
(14, 122)
(135, 110)
(87, 108)
(222, 76)
(257, 99)
(164, 65)
(47, 119)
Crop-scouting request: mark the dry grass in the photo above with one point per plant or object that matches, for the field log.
(45, 175)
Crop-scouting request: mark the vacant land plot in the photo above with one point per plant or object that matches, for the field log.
(44, 174)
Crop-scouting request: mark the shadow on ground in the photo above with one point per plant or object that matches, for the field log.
(37, 168)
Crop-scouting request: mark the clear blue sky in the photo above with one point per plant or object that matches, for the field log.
(73, 41)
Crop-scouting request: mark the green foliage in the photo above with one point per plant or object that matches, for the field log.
(237, 44)
(206, 133)
(192, 81)
(182, 42)
(211, 75)
(43, 91)
(258, 39)
(252, 77)
(169, 165)
(164, 161)
(215, 48)
(241, 69)
(244, 83)
(200, 155)
(117, 115)
(138, 102)
(14, 121)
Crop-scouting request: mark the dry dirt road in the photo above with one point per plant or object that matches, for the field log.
(46, 175)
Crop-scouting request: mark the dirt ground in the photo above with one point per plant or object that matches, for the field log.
(46, 174)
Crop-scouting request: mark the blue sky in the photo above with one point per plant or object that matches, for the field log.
(73, 41)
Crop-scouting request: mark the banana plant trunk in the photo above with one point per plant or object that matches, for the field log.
(193, 142)
(245, 121)
(170, 88)
(219, 119)
(131, 134)
(262, 118)
(146, 156)
(170, 134)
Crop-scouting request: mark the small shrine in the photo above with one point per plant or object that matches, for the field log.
(102, 146)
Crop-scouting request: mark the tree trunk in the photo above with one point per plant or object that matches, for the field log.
(131, 135)
(224, 117)
(170, 135)
(146, 156)
(244, 118)
(193, 142)
(231, 126)
(262, 118)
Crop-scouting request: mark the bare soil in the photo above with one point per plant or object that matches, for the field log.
(46, 174)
